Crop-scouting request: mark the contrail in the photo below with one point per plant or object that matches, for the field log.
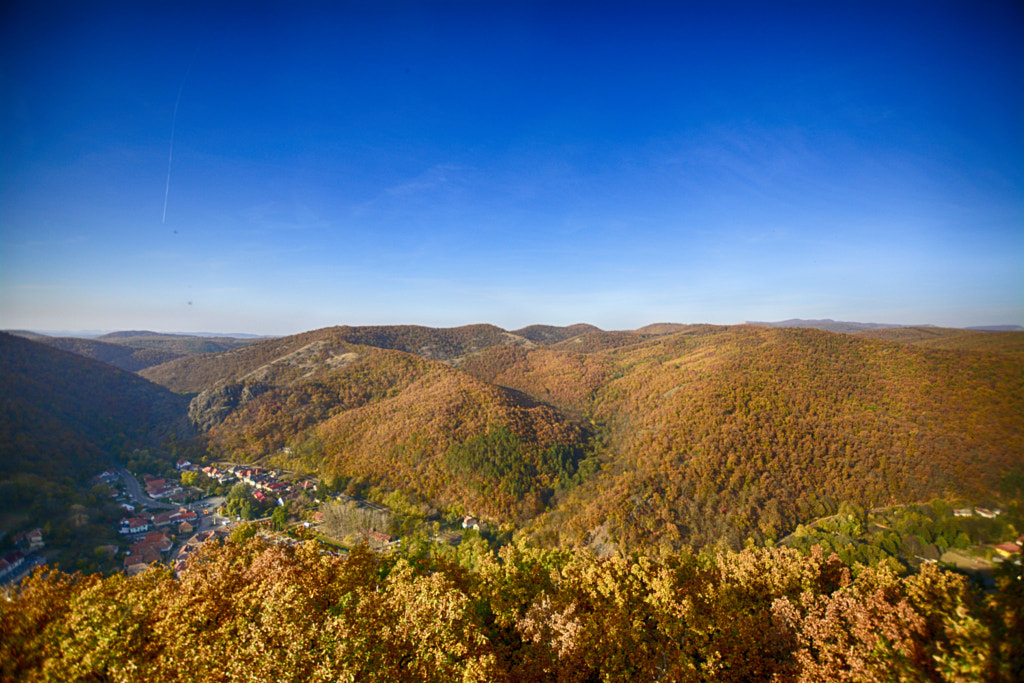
(174, 119)
(170, 152)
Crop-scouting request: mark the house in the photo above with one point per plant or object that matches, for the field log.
(30, 540)
(988, 514)
(161, 520)
(109, 478)
(470, 523)
(134, 525)
(186, 515)
(1008, 549)
(173, 517)
(963, 512)
(35, 540)
(379, 541)
(161, 488)
(13, 562)
(152, 545)
(182, 465)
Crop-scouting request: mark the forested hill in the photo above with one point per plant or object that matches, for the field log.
(178, 344)
(129, 358)
(66, 415)
(551, 334)
(192, 375)
(705, 434)
(398, 420)
(994, 341)
(743, 432)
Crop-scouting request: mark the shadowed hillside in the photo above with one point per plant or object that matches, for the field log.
(128, 358)
(65, 415)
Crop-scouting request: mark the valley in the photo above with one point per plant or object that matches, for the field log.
(891, 451)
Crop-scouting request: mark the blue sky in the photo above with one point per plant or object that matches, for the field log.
(512, 163)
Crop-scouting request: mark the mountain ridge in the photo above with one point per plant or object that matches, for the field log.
(676, 434)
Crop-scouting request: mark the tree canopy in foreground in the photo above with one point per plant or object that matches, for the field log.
(257, 612)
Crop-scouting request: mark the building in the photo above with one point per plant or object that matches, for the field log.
(134, 525)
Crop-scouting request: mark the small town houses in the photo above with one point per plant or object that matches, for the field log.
(152, 535)
(133, 526)
(155, 546)
(13, 563)
(268, 483)
(219, 475)
(157, 488)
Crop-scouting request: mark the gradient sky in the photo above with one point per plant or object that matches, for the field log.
(512, 163)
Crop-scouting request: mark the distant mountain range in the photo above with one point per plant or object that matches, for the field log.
(136, 350)
(842, 326)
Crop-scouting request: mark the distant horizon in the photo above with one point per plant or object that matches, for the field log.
(92, 333)
(190, 166)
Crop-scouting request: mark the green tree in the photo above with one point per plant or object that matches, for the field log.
(242, 533)
(280, 517)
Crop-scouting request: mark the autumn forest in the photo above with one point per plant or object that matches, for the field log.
(677, 502)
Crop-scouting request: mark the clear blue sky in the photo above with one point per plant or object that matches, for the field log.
(513, 163)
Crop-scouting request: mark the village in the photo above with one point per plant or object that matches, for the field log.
(168, 520)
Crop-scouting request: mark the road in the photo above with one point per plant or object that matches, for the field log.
(134, 489)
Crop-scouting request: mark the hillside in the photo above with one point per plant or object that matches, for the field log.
(177, 344)
(1003, 342)
(707, 435)
(128, 358)
(397, 420)
(65, 415)
(550, 334)
(827, 324)
(720, 434)
(192, 375)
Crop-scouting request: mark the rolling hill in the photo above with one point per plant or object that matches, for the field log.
(645, 442)
(671, 435)
(734, 433)
(192, 375)
(705, 434)
(178, 344)
(393, 418)
(992, 341)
